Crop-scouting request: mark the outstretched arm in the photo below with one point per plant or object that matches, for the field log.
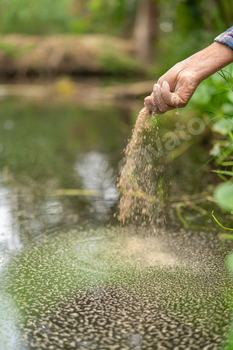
(175, 88)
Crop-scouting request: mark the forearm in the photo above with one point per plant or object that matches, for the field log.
(208, 61)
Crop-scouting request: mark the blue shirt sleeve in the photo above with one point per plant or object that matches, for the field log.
(226, 38)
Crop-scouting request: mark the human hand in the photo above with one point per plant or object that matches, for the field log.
(173, 90)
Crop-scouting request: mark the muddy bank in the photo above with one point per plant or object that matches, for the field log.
(94, 54)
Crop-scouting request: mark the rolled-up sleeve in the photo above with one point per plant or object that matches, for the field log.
(226, 38)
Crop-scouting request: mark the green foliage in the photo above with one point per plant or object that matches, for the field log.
(72, 16)
(223, 125)
(213, 99)
(224, 193)
(34, 17)
(103, 16)
(195, 24)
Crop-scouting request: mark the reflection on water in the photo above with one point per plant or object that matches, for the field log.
(9, 244)
(89, 168)
(9, 239)
(71, 277)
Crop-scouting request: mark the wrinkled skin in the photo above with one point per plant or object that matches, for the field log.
(175, 88)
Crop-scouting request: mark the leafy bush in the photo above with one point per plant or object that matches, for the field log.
(213, 101)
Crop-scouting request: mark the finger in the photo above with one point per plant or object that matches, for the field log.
(149, 103)
(170, 98)
(158, 99)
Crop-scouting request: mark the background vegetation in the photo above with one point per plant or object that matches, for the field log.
(182, 26)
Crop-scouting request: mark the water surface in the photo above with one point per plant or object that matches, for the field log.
(71, 276)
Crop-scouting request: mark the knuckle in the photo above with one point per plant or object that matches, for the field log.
(161, 80)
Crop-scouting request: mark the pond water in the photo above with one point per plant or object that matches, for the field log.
(71, 276)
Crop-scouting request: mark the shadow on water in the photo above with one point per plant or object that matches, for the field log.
(71, 276)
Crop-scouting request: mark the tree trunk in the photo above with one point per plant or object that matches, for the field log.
(146, 28)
